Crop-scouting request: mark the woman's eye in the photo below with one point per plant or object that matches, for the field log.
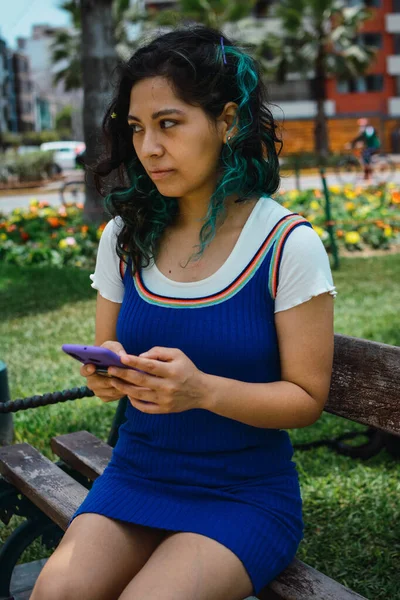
(167, 121)
(163, 122)
(132, 126)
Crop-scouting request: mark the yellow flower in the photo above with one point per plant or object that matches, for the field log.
(3, 236)
(311, 218)
(335, 189)
(314, 205)
(350, 206)
(62, 244)
(388, 231)
(352, 237)
(319, 230)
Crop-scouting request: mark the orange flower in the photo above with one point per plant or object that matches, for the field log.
(24, 235)
(339, 233)
(43, 204)
(11, 228)
(380, 224)
(84, 228)
(79, 205)
(396, 197)
(53, 221)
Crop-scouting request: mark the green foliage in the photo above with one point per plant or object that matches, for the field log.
(364, 218)
(214, 13)
(48, 236)
(32, 138)
(64, 118)
(33, 166)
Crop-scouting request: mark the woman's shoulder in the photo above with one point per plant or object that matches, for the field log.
(112, 228)
(270, 211)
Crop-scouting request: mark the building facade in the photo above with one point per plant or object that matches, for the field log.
(51, 98)
(24, 93)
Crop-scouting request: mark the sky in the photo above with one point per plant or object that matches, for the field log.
(18, 16)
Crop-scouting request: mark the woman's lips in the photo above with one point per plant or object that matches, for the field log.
(161, 174)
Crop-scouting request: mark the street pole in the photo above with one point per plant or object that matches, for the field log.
(329, 222)
(6, 420)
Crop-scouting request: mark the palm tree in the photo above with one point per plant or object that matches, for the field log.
(66, 46)
(99, 59)
(318, 36)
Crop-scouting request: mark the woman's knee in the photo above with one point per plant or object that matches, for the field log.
(56, 586)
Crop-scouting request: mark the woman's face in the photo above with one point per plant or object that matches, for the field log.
(176, 138)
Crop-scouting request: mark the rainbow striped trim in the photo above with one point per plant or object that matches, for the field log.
(277, 238)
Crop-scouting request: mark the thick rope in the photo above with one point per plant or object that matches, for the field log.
(50, 398)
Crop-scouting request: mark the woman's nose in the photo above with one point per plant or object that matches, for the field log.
(151, 145)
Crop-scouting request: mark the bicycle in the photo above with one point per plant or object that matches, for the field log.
(350, 168)
(72, 192)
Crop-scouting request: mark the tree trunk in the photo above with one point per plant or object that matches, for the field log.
(321, 126)
(98, 61)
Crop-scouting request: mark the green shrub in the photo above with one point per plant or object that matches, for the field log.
(33, 166)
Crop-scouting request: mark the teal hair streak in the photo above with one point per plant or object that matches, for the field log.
(263, 178)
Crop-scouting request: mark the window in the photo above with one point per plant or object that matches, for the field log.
(371, 39)
(367, 3)
(368, 83)
(290, 91)
(396, 42)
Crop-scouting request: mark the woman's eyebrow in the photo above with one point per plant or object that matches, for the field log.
(159, 113)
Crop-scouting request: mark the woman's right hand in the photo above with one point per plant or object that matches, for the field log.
(100, 384)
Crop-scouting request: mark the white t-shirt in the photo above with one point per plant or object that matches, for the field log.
(304, 271)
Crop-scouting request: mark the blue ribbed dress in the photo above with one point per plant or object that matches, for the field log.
(197, 471)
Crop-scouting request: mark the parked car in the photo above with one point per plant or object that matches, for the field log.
(64, 153)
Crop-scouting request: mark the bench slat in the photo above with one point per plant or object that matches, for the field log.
(301, 582)
(83, 451)
(365, 383)
(54, 492)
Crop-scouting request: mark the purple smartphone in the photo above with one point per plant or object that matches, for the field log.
(102, 358)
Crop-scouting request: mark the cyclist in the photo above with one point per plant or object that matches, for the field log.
(372, 144)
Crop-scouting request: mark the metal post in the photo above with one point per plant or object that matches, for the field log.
(329, 222)
(6, 420)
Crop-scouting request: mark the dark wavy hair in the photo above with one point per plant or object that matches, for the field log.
(201, 74)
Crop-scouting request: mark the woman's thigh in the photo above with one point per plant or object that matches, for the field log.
(96, 559)
(190, 565)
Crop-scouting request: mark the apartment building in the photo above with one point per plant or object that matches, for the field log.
(23, 86)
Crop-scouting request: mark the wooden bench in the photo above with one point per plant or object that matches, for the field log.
(365, 388)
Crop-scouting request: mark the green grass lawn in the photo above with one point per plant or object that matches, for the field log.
(351, 508)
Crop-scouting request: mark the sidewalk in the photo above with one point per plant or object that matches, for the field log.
(49, 188)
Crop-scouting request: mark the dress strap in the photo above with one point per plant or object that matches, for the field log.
(288, 224)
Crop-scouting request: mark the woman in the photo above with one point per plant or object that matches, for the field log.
(224, 309)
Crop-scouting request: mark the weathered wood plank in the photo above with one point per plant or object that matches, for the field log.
(301, 582)
(365, 383)
(56, 494)
(83, 451)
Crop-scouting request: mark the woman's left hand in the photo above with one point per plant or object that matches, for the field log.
(170, 383)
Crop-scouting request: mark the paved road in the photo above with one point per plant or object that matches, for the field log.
(8, 203)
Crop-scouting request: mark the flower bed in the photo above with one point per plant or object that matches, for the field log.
(364, 219)
(46, 235)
